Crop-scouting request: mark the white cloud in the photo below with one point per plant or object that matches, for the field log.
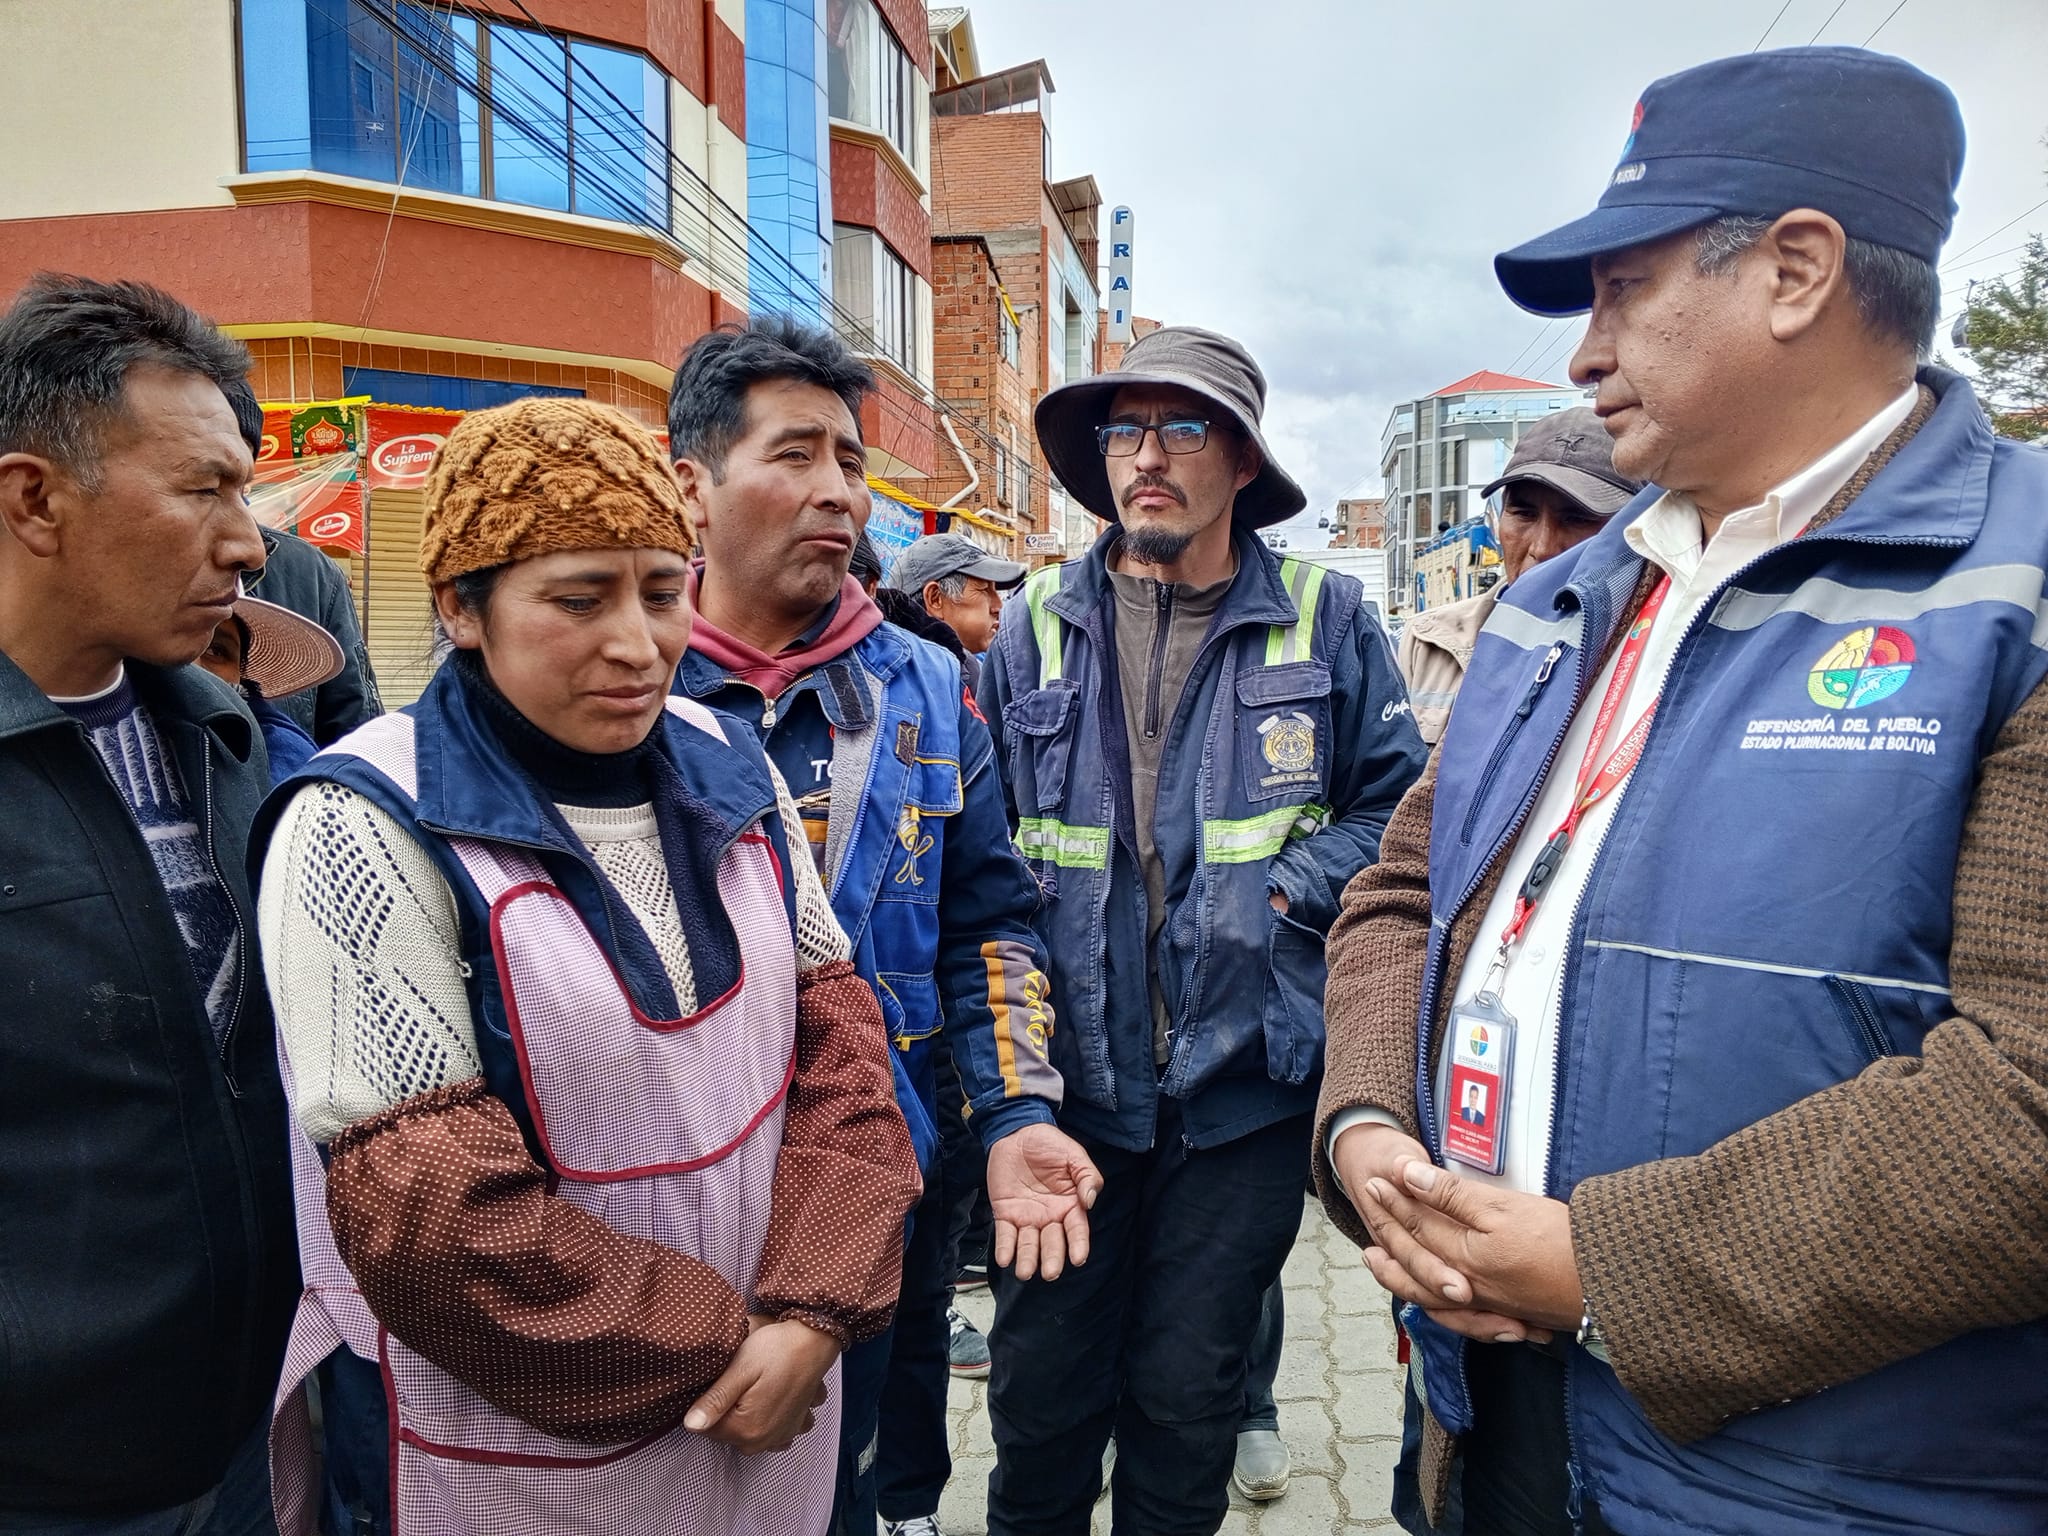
(1328, 180)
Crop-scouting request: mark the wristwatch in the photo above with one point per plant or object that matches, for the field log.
(1589, 1335)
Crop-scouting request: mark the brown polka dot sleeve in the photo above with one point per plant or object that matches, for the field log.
(847, 1175)
(581, 1331)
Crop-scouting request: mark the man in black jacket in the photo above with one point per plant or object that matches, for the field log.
(147, 1270)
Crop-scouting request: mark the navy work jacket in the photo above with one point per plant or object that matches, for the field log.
(1288, 751)
(1769, 913)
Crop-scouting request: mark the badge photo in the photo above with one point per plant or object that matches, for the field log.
(1474, 1099)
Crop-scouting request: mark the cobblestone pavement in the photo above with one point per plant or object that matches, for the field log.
(1339, 1392)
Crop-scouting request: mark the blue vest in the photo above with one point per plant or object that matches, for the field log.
(894, 703)
(1769, 913)
(708, 793)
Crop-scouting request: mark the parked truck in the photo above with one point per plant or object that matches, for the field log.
(1368, 565)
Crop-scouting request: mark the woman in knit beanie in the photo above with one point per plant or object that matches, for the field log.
(613, 1168)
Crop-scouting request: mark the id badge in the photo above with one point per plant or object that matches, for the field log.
(1473, 1100)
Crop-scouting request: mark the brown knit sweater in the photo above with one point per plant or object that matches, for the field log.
(1857, 1227)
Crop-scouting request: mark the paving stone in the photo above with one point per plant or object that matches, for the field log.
(1368, 1405)
(1304, 1266)
(1310, 1437)
(1309, 1508)
(1304, 1371)
(963, 1507)
(1364, 1340)
(1353, 1289)
(1306, 1313)
(1368, 1481)
(976, 1438)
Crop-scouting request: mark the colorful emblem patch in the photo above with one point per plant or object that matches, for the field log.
(1289, 742)
(1866, 666)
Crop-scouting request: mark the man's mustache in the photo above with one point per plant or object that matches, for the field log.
(1152, 483)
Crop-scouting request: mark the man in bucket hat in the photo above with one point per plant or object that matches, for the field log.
(1200, 745)
(1726, 888)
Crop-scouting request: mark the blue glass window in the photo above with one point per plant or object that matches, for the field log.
(440, 125)
(789, 208)
(336, 89)
(529, 77)
(277, 132)
(406, 91)
(620, 133)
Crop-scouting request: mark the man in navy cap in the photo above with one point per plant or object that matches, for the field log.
(1727, 888)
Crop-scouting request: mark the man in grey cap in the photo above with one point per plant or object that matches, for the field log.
(1726, 886)
(1200, 744)
(960, 584)
(1558, 490)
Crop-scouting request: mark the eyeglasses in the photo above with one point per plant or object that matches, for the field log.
(1122, 439)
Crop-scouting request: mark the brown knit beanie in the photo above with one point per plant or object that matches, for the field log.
(543, 475)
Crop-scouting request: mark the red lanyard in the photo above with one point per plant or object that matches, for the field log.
(1598, 778)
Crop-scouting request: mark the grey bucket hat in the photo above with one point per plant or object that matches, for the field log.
(1185, 357)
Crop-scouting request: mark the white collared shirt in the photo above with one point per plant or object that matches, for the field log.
(1669, 536)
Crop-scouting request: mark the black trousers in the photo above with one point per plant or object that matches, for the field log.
(912, 1457)
(1147, 1340)
(1516, 1472)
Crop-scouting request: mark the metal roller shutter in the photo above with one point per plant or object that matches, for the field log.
(400, 630)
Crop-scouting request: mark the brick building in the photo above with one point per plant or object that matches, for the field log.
(1113, 351)
(986, 458)
(1019, 247)
(878, 63)
(1360, 523)
(434, 207)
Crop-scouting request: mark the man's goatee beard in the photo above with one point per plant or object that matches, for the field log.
(1156, 546)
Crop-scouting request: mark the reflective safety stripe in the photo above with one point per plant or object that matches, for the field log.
(1833, 602)
(1735, 962)
(1260, 837)
(1042, 837)
(1294, 642)
(1526, 632)
(1045, 624)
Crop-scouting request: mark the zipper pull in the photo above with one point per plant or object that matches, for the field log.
(767, 715)
(1536, 684)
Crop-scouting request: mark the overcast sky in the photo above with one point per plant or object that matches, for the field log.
(1328, 180)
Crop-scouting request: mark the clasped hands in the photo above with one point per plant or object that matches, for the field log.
(1493, 1264)
(765, 1398)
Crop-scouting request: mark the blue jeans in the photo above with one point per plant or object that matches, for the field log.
(1262, 1365)
(239, 1505)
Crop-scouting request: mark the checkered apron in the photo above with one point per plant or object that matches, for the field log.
(664, 1129)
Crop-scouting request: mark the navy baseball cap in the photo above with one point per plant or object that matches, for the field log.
(1861, 136)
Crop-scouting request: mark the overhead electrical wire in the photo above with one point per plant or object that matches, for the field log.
(1772, 27)
(1894, 11)
(850, 321)
(1826, 24)
(625, 195)
(2008, 224)
(391, 215)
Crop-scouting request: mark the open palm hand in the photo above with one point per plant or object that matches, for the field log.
(1041, 1184)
